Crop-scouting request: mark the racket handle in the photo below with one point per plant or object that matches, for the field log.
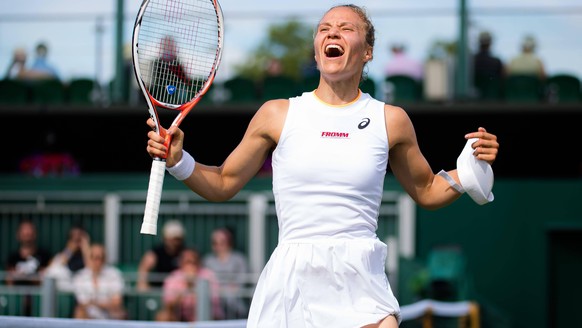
(150, 218)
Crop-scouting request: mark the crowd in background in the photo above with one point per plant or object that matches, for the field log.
(171, 267)
(486, 71)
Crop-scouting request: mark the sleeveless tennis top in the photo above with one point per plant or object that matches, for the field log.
(329, 168)
(328, 269)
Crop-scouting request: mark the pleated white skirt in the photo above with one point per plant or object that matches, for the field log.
(323, 283)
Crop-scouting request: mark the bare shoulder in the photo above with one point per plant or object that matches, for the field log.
(270, 118)
(395, 113)
(398, 125)
(274, 108)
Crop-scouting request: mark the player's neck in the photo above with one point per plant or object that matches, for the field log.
(337, 95)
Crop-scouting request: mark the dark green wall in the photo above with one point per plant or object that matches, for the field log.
(506, 242)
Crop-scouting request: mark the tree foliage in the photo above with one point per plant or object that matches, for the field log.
(290, 42)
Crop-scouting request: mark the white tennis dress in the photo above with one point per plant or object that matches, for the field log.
(328, 176)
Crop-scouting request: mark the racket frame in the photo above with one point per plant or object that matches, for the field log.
(157, 172)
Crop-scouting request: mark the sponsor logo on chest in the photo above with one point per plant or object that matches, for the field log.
(335, 134)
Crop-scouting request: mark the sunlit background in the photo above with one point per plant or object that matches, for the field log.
(81, 34)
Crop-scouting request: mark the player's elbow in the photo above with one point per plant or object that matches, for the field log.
(429, 206)
(434, 203)
(219, 197)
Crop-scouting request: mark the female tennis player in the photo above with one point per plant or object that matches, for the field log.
(330, 155)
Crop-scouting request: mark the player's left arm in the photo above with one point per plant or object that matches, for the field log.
(413, 171)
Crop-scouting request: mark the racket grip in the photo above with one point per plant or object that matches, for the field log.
(150, 218)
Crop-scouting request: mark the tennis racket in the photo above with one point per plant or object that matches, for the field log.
(176, 49)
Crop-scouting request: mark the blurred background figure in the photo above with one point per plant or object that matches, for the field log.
(401, 64)
(17, 67)
(65, 264)
(99, 288)
(488, 69)
(27, 263)
(179, 290)
(527, 62)
(162, 258)
(274, 67)
(231, 268)
(41, 68)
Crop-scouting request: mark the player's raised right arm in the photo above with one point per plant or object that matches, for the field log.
(220, 183)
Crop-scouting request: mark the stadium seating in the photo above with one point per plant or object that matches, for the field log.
(48, 92)
(275, 87)
(79, 91)
(309, 83)
(489, 89)
(447, 274)
(563, 88)
(523, 89)
(240, 90)
(405, 88)
(13, 92)
(368, 85)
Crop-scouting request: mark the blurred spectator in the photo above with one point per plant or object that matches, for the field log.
(71, 259)
(402, 64)
(26, 264)
(99, 288)
(486, 67)
(274, 67)
(527, 63)
(41, 68)
(17, 67)
(179, 290)
(50, 164)
(163, 258)
(167, 67)
(231, 269)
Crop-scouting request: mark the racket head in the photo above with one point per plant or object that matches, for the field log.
(176, 51)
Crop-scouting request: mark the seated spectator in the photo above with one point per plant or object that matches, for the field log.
(26, 264)
(41, 68)
(486, 66)
(402, 64)
(527, 63)
(230, 267)
(71, 259)
(17, 67)
(179, 290)
(163, 258)
(99, 288)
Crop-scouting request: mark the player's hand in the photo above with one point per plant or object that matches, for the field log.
(487, 147)
(156, 147)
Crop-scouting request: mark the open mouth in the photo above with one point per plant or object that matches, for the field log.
(333, 50)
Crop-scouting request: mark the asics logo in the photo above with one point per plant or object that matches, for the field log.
(364, 123)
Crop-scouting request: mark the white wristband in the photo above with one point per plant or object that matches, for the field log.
(184, 168)
(451, 181)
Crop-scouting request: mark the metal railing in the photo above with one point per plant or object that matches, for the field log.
(114, 219)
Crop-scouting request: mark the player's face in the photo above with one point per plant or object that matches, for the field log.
(340, 44)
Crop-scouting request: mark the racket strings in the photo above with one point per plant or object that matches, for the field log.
(178, 48)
